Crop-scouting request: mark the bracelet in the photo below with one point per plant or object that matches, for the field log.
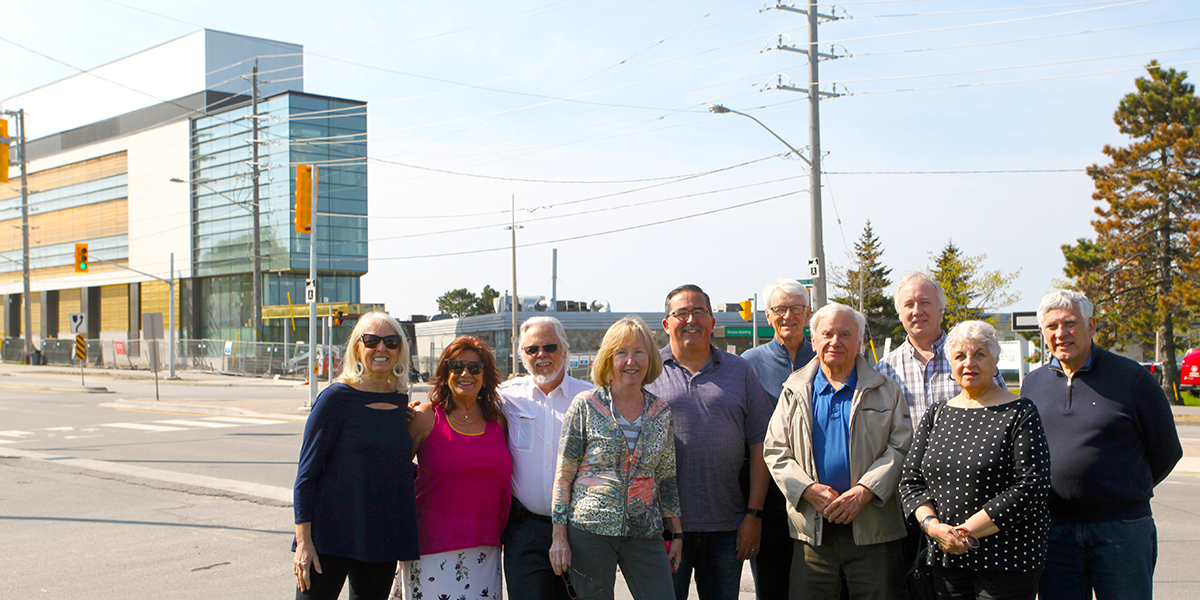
(754, 512)
(677, 535)
(925, 523)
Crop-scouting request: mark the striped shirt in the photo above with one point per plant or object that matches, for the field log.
(631, 430)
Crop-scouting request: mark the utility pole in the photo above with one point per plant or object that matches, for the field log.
(814, 136)
(514, 304)
(254, 176)
(26, 298)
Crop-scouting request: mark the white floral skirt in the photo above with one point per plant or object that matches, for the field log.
(456, 575)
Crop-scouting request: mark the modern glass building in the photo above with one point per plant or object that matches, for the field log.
(145, 182)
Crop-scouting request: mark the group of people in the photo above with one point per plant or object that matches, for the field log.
(829, 474)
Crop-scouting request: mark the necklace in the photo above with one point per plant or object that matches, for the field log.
(466, 418)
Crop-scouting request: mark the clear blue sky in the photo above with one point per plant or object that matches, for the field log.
(583, 97)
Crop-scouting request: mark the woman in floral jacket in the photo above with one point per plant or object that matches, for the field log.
(615, 483)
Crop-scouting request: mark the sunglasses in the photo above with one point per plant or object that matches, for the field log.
(549, 348)
(566, 577)
(371, 340)
(473, 367)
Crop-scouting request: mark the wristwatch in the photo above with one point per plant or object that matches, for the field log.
(677, 535)
(925, 522)
(754, 512)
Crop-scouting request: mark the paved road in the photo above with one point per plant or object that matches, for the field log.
(114, 495)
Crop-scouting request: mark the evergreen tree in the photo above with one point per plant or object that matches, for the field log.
(865, 288)
(970, 290)
(1143, 266)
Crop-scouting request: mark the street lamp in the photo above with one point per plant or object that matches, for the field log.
(257, 262)
(814, 197)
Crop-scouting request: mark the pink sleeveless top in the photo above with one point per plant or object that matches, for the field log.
(464, 487)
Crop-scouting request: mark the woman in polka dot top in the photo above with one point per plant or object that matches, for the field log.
(977, 478)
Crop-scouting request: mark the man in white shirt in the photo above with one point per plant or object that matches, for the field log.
(534, 406)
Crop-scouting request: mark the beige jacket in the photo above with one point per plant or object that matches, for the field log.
(880, 433)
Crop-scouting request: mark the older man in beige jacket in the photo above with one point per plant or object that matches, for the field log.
(835, 446)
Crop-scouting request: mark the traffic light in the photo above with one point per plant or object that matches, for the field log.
(3, 151)
(337, 317)
(81, 258)
(306, 190)
(747, 310)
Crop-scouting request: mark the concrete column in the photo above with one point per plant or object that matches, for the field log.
(135, 311)
(89, 305)
(49, 310)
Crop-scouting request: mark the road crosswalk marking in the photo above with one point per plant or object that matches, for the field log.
(16, 434)
(199, 424)
(245, 420)
(144, 427)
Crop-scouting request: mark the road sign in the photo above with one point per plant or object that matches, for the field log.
(814, 268)
(1024, 321)
(80, 348)
(310, 291)
(78, 323)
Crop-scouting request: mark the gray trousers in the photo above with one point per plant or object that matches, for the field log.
(643, 562)
(871, 572)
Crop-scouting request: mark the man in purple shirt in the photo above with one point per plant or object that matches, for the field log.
(718, 408)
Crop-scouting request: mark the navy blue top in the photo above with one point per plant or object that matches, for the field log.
(355, 479)
(1112, 437)
(831, 430)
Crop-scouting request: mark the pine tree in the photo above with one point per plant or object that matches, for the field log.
(970, 290)
(865, 289)
(1143, 266)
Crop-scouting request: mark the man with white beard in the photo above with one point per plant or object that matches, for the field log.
(534, 406)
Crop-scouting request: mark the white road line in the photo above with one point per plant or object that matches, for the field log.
(15, 433)
(8, 441)
(59, 429)
(244, 420)
(200, 424)
(143, 426)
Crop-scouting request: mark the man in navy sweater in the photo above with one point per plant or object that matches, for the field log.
(1112, 439)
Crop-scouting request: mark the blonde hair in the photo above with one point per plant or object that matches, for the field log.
(631, 325)
(350, 363)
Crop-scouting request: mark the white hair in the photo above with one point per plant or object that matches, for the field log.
(830, 310)
(974, 333)
(1064, 300)
(549, 322)
(787, 286)
(922, 276)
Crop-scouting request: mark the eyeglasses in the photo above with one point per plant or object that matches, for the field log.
(371, 340)
(473, 367)
(683, 313)
(566, 577)
(549, 348)
(797, 310)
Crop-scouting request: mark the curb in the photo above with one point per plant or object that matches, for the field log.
(203, 409)
(72, 389)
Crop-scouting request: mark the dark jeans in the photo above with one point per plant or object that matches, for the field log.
(952, 583)
(527, 570)
(368, 581)
(643, 562)
(772, 568)
(713, 555)
(1114, 559)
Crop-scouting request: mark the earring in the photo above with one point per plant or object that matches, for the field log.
(359, 369)
(396, 370)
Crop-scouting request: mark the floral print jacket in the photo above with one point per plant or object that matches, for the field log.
(604, 488)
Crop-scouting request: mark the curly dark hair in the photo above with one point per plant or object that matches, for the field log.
(488, 398)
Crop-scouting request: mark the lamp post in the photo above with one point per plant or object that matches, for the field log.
(814, 197)
(257, 258)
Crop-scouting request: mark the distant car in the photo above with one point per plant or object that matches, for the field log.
(1189, 371)
(1155, 369)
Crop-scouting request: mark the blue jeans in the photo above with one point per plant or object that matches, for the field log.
(1113, 559)
(713, 555)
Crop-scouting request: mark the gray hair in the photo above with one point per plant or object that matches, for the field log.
(787, 286)
(922, 276)
(974, 333)
(832, 309)
(549, 322)
(1064, 300)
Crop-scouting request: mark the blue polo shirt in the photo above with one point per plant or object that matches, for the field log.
(831, 430)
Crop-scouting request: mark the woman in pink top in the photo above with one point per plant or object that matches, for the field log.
(464, 480)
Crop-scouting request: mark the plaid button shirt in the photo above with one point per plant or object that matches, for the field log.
(923, 385)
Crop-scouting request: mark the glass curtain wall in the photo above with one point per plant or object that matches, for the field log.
(294, 128)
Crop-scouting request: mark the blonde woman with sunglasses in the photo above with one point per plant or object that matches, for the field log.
(464, 479)
(355, 507)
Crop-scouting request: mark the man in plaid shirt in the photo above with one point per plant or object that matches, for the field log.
(919, 366)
